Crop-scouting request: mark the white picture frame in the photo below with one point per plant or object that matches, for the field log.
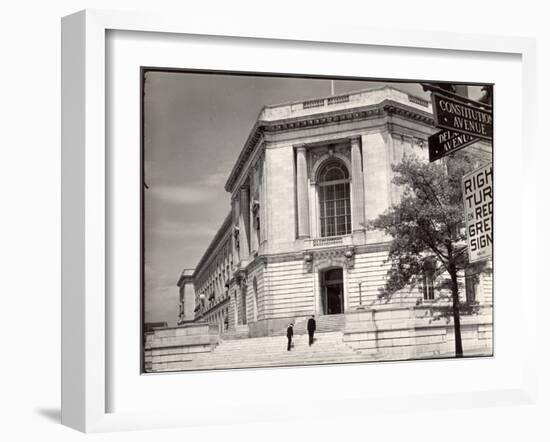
(85, 209)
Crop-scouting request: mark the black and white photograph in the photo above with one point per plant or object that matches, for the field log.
(293, 220)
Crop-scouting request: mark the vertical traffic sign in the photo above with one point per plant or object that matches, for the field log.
(477, 194)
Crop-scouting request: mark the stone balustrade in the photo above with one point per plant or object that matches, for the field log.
(343, 101)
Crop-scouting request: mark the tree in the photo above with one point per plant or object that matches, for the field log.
(426, 226)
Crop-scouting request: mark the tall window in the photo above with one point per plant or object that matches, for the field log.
(334, 199)
(472, 284)
(428, 285)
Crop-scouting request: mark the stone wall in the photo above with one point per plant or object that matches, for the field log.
(289, 290)
(178, 344)
(414, 332)
(281, 214)
(370, 270)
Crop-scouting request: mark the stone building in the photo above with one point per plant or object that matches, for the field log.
(294, 243)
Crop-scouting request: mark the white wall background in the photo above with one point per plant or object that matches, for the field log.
(30, 215)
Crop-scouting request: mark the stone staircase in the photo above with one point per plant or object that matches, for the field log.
(240, 332)
(270, 352)
(323, 324)
(328, 323)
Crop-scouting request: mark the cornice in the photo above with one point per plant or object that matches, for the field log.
(216, 243)
(382, 109)
(394, 108)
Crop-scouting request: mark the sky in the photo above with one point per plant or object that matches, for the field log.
(195, 125)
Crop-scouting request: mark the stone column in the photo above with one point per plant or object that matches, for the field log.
(302, 192)
(358, 208)
(263, 202)
(235, 223)
(244, 223)
(253, 196)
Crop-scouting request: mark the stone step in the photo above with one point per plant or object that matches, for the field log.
(318, 340)
(297, 351)
(268, 363)
(265, 352)
(323, 323)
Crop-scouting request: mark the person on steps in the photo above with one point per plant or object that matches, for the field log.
(289, 335)
(311, 328)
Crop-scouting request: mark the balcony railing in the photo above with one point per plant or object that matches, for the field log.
(321, 242)
(314, 103)
(418, 100)
(353, 99)
(338, 99)
(328, 241)
(325, 102)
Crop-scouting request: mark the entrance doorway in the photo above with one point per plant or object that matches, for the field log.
(332, 291)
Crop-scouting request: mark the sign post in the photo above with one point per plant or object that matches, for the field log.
(477, 194)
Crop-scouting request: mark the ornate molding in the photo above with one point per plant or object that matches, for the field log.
(317, 259)
(391, 108)
(322, 154)
(299, 256)
(308, 262)
(236, 233)
(240, 277)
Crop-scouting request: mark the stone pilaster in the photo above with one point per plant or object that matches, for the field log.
(235, 234)
(251, 213)
(358, 207)
(263, 203)
(302, 192)
(244, 223)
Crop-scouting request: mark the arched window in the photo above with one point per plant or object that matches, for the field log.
(334, 199)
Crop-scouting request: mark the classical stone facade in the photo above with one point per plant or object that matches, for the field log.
(294, 242)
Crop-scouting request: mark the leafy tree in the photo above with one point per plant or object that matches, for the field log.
(426, 226)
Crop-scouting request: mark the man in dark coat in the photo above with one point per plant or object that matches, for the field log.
(289, 335)
(311, 328)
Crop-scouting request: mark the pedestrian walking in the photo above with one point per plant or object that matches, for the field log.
(289, 335)
(311, 325)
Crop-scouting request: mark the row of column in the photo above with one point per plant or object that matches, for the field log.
(249, 236)
(358, 200)
(241, 220)
(357, 189)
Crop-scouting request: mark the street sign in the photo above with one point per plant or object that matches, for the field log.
(463, 117)
(477, 194)
(446, 142)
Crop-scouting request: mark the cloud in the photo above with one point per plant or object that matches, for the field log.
(162, 304)
(183, 230)
(216, 180)
(182, 194)
(199, 192)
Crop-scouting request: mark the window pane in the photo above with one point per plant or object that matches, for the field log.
(340, 207)
(334, 203)
(333, 174)
(332, 171)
